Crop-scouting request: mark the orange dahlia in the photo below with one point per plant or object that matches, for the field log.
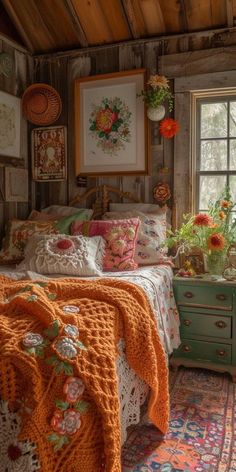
(225, 204)
(201, 219)
(169, 128)
(221, 215)
(156, 81)
(216, 242)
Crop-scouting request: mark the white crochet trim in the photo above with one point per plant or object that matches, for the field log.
(10, 426)
(132, 392)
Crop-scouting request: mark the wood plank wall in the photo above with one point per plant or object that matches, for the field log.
(15, 84)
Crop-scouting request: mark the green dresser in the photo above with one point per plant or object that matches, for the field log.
(208, 324)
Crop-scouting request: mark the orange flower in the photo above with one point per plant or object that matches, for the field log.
(161, 192)
(169, 127)
(225, 204)
(158, 81)
(221, 215)
(201, 219)
(105, 119)
(216, 242)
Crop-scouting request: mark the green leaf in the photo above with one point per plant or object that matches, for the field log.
(53, 331)
(82, 406)
(31, 350)
(61, 442)
(26, 288)
(53, 437)
(81, 346)
(62, 405)
(39, 351)
(59, 367)
(32, 298)
(41, 284)
(52, 360)
(101, 134)
(52, 296)
(68, 369)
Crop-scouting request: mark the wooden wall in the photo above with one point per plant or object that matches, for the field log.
(15, 84)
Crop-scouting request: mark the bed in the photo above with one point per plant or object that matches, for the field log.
(147, 288)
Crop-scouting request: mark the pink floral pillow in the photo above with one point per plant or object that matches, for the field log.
(120, 237)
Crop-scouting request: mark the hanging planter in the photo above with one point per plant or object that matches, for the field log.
(156, 113)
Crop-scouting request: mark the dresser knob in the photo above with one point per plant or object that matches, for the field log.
(221, 353)
(220, 324)
(187, 322)
(188, 294)
(221, 296)
(186, 348)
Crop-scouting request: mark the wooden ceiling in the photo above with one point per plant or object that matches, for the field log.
(58, 25)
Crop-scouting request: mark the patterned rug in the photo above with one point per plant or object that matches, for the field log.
(202, 433)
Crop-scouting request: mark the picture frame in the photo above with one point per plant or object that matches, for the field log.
(196, 259)
(16, 184)
(10, 125)
(111, 127)
(49, 153)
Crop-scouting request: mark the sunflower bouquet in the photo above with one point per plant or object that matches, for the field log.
(212, 232)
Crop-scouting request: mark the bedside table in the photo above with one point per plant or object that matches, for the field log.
(207, 311)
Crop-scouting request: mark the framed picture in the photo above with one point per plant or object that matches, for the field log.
(16, 184)
(111, 134)
(49, 151)
(10, 125)
(196, 259)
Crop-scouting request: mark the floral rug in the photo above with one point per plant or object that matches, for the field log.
(202, 433)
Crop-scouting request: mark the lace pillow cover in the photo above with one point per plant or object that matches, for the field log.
(120, 237)
(61, 254)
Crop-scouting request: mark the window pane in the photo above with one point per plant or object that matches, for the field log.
(214, 155)
(232, 148)
(232, 186)
(210, 188)
(214, 120)
(232, 118)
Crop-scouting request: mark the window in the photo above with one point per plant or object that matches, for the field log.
(215, 148)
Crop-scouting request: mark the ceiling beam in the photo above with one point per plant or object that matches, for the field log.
(77, 26)
(18, 25)
(229, 13)
(136, 25)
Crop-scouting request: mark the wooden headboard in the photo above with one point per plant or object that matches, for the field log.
(102, 193)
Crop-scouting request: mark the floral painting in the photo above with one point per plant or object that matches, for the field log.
(49, 153)
(110, 124)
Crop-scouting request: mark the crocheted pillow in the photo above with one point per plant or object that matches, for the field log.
(18, 233)
(62, 254)
(120, 237)
(151, 235)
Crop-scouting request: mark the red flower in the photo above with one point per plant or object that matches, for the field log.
(201, 219)
(169, 127)
(216, 242)
(105, 119)
(64, 244)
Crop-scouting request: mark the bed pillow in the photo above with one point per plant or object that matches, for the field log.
(18, 233)
(120, 237)
(143, 207)
(151, 235)
(60, 210)
(62, 254)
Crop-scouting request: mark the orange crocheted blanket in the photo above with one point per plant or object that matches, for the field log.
(58, 350)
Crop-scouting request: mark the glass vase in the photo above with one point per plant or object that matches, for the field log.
(216, 262)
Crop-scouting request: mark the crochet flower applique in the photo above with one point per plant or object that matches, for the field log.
(66, 420)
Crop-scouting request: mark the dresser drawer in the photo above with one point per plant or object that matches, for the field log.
(205, 325)
(204, 351)
(210, 297)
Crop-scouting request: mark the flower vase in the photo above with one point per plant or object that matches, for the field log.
(156, 113)
(216, 263)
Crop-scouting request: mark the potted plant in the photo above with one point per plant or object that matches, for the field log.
(155, 95)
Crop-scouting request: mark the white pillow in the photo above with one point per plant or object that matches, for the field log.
(63, 254)
(151, 235)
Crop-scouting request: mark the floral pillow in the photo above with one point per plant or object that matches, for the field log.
(18, 232)
(62, 254)
(120, 237)
(151, 235)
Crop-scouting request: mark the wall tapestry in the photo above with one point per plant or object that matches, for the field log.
(110, 124)
(10, 122)
(49, 151)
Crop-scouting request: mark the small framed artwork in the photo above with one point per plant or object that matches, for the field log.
(49, 154)
(196, 259)
(10, 125)
(16, 184)
(111, 135)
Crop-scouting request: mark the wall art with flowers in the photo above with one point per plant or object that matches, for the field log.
(110, 124)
